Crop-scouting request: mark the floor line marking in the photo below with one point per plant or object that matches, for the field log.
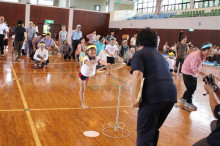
(30, 120)
(122, 78)
(44, 109)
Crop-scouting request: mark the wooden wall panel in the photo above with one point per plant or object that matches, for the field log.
(91, 21)
(197, 37)
(38, 14)
(12, 12)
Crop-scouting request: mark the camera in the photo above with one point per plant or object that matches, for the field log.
(209, 80)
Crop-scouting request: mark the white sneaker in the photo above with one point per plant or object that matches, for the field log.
(2, 55)
(182, 100)
(191, 105)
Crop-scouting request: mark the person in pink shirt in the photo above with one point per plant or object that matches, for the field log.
(190, 70)
(79, 48)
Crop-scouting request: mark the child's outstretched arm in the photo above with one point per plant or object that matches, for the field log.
(103, 62)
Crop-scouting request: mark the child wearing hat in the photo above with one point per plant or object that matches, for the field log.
(87, 70)
(41, 56)
(171, 62)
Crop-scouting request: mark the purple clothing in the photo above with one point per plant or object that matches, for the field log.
(92, 38)
(67, 49)
(47, 42)
(36, 40)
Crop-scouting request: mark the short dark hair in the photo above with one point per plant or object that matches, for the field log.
(20, 22)
(101, 38)
(183, 37)
(147, 37)
(80, 39)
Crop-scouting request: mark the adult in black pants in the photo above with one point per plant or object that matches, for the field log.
(76, 35)
(191, 69)
(181, 52)
(214, 137)
(3, 31)
(20, 37)
(159, 91)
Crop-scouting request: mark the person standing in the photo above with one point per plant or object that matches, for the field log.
(3, 32)
(100, 45)
(20, 38)
(76, 35)
(30, 36)
(159, 91)
(62, 36)
(92, 37)
(123, 49)
(109, 36)
(133, 40)
(181, 53)
(191, 69)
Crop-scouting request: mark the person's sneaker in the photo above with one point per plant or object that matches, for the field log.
(182, 100)
(19, 59)
(2, 55)
(191, 105)
(35, 66)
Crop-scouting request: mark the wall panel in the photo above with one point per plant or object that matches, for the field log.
(91, 21)
(39, 14)
(12, 12)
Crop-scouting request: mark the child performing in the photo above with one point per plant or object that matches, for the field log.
(88, 69)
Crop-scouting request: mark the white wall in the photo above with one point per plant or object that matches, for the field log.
(208, 23)
(124, 6)
(88, 4)
(121, 15)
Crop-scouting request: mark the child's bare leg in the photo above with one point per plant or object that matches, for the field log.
(81, 92)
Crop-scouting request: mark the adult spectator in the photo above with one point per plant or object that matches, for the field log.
(63, 35)
(128, 56)
(159, 91)
(109, 36)
(3, 32)
(92, 37)
(20, 37)
(214, 137)
(123, 49)
(76, 35)
(181, 53)
(30, 36)
(133, 40)
(166, 48)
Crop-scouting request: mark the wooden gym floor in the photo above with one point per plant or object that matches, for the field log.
(42, 107)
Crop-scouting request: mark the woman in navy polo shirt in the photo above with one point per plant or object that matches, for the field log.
(159, 91)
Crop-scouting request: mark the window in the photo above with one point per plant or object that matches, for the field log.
(97, 7)
(45, 2)
(146, 6)
(172, 5)
(206, 3)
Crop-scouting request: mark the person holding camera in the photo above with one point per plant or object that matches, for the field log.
(214, 138)
(190, 70)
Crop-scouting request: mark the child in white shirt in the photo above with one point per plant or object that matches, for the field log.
(171, 62)
(87, 70)
(111, 50)
(40, 56)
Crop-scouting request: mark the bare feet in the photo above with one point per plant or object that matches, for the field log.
(85, 106)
